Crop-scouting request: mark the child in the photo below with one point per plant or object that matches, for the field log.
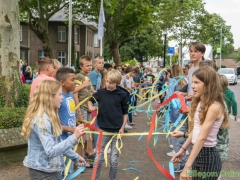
(28, 75)
(46, 69)
(208, 112)
(112, 117)
(56, 65)
(42, 129)
(85, 63)
(149, 79)
(95, 75)
(229, 97)
(130, 74)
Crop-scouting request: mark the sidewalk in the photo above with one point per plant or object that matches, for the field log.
(135, 150)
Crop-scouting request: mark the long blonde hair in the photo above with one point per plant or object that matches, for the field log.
(212, 93)
(178, 71)
(42, 102)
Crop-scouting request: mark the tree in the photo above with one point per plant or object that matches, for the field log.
(37, 14)
(146, 43)
(210, 33)
(9, 49)
(237, 56)
(123, 19)
(181, 18)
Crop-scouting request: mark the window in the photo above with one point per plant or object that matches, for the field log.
(20, 32)
(23, 55)
(40, 53)
(61, 33)
(96, 41)
(77, 35)
(62, 57)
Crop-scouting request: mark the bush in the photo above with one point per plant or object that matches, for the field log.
(11, 117)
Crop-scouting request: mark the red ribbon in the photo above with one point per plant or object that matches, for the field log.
(98, 147)
(152, 127)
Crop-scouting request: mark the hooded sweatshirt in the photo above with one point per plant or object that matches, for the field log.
(112, 105)
(230, 100)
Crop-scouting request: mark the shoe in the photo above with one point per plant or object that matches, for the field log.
(135, 113)
(178, 169)
(90, 157)
(171, 153)
(109, 151)
(171, 146)
(127, 126)
(187, 153)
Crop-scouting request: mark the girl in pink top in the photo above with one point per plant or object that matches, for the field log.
(208, 112)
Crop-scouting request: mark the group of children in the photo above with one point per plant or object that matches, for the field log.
(54, 121)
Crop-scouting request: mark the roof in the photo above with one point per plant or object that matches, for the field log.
(62, 16)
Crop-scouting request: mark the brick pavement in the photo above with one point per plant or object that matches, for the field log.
(135, 150)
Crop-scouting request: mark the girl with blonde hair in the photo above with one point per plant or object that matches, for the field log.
(42, 128)
(208, 112)
(28, 75)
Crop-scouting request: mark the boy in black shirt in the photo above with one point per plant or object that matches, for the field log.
(113, 102)
(150, 78)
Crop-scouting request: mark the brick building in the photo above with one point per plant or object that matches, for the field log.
(84, 36)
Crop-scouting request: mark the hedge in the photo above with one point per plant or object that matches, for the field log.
(11, 117)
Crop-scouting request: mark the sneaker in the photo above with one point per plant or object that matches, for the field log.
(187, 153)
(171, 153)
(178, 169)
(90, 157)
(171, 146)
(127, 126)
(135, 113)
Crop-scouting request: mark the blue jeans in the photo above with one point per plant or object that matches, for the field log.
(95, 136)
(130, 114)
(113, 157)
(178, 142)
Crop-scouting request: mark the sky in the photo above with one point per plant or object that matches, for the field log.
(229, 10)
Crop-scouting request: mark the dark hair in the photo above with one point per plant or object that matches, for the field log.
(62, 73)
(208, 63)
(107, 66)
(198, 46)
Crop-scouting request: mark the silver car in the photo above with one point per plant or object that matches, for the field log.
(230, 74)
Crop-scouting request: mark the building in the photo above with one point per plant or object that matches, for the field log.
(84, 37)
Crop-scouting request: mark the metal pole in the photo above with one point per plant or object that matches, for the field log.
(164, 50)
(101, 48)
(221, 49)
(70, 34)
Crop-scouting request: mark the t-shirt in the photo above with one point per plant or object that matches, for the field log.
(150, 78)
(123, 83)
(96, 79)
(40, 78)
(66, 113)
(190, 73)
(85, 92)
(129, 82)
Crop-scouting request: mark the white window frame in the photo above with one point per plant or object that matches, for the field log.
(20, 31)
(96, 40)
(77, 35)
(60, 58)
(62, 30)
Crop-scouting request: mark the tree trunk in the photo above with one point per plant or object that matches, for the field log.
(115, 52)
(41, 30)
(9, 49)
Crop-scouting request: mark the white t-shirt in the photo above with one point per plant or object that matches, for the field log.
(129, 82)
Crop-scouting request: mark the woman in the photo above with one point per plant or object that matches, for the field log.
(208, 112)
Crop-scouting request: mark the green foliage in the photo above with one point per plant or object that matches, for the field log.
(237, 56)
(11, 117)
(130, 62)
(19, 93)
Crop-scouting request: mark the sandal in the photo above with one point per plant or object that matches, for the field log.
(132, 124)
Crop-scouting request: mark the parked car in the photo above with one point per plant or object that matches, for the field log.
(238, 72)
(230, 74)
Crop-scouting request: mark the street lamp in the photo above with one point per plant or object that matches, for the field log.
(164, 45)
